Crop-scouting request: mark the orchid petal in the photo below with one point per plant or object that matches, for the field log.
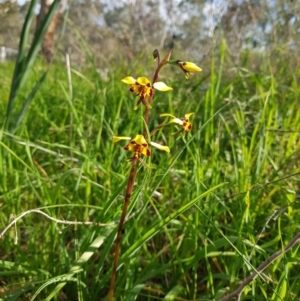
(129, 80)
(140, 139)
(144, 81)
(118, 138)
(191, 67)
(160, 147)
(187, 116)
(166, 114)
(176, 120)
(162, 86)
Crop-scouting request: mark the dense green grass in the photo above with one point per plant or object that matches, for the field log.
(197, 217)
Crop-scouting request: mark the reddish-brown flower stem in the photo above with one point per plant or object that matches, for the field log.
(160, 65)
(155, 79)
(128, 193)
(157, 56)
(131, 180)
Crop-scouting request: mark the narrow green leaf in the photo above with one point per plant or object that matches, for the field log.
(27, 102)
(150, 233)
(173, 293)
(77, 267)
(25, 62)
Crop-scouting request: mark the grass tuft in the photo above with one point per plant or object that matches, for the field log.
(200, 220)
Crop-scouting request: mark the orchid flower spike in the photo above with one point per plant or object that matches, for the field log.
(187, 67)
(143, 88)
(139, 146)
(183, 122)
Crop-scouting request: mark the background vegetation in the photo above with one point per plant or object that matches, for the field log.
(121, 30)
(223, 201)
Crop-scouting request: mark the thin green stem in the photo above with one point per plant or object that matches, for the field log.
(157, 128)
(128, 193)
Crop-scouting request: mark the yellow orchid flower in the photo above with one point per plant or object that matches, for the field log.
(183, 122)
(143, 88)
(187, 67)
(139, 145)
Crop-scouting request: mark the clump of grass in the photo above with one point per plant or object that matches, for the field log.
(245, 134)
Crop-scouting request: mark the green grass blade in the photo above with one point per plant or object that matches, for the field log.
(173, 293)
(17, 79)
(25, 62)
(27, 102)
(155, 229)
(77, 267)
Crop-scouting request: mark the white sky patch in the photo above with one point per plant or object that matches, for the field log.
(214, 11)
(21, 2)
